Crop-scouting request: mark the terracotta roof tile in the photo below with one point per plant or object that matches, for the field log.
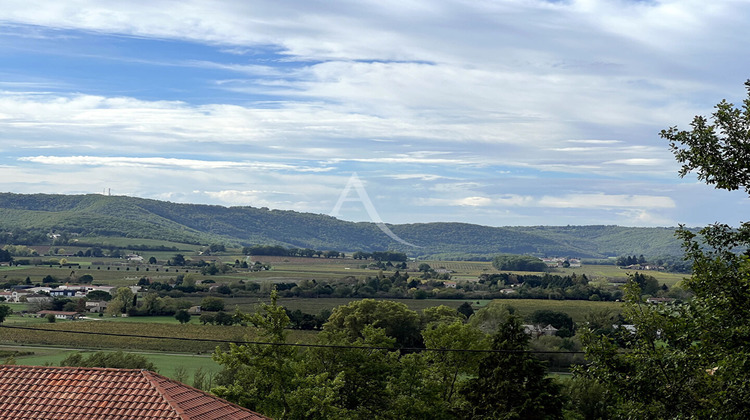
(72, 393)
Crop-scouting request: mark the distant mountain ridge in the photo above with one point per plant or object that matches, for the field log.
(102, 215)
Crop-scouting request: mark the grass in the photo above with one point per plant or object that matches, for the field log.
(77, 334)
(166, 364)
(577, 309)
(613, 273)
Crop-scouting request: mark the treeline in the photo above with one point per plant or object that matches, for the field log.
(547, 286)
(518, 263)
(665, 262)
(281, 251)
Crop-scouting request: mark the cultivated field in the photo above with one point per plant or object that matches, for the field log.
(61, 338)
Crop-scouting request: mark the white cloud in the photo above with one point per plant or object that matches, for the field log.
(638, 162)
(606, 201)
(417, 91)
(116, 161)
(421, 177)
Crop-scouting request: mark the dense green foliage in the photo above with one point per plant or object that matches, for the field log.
(690, 359)
(109, 360)
(518, 263)
(27, 219)
(364, 371)
(512, 384)
(5, 310)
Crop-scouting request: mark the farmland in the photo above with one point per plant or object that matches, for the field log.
(60, 338)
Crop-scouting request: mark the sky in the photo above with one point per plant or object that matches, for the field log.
(499, 113)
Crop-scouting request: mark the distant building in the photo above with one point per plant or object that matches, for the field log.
(656, 300)
(59, 314)
(96, 306)
(538, 331)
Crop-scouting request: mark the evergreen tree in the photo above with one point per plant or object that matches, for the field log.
(512, 384)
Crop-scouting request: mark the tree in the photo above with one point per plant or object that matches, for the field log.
(212, 304)
(511, 383)
(98, 295)
(183, 316)
(560, 320)
(450, 370)
(466, 310)
(690, 360)
(491, 317)
(261, 377)
(109, 360)
(5, 256)
(178, 260)
(718, 152)
(86, 278)
(518, 263)
(5, 310)
(121, 302)
(223, 318)
(396, 319)
(207, 318)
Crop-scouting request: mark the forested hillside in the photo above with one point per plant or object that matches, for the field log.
(101, 215)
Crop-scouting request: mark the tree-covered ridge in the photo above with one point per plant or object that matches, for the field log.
(100, 215)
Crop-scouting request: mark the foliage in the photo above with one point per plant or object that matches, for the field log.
(359, 372)
(395, 319)
(262, 376)
(182, 316)
(26, 220)
(560, 320)
(213, 304)
(5, 311)
(512, 383)
(716, 151)
(466, 310)
(121, 302)
(690, 360)
(98, 295)
(109, 360)
(491, 317)
(518, 263)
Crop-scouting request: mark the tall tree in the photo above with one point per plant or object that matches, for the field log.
(5, 310)
(691, 360)
(511, 383)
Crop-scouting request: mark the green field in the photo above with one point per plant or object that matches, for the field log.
(613, 273)
(168, 364)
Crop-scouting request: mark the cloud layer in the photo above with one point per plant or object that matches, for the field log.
(499, 113)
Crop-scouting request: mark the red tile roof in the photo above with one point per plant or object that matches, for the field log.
(77, 393)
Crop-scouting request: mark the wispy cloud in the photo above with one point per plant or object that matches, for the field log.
(606, 201)
(472, 110)
(164, 163)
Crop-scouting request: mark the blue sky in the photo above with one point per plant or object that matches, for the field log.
(518, 112)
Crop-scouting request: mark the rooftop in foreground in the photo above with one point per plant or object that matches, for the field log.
(67, 393)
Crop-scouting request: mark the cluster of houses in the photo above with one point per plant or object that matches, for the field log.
(41, 294)
(559, 262)
(643, 267)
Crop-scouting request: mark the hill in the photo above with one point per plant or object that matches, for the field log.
(100, 215)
